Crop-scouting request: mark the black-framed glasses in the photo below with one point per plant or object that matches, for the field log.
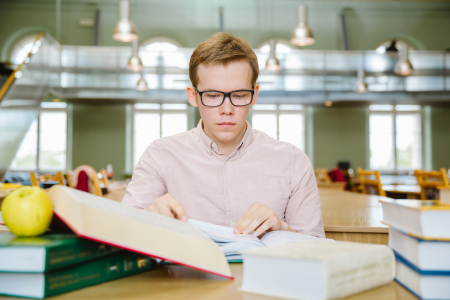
(216, 98)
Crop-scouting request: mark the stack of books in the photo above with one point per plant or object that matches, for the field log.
(52, 264)
(419, 234)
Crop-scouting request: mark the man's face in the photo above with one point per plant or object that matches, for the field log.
(225, 123)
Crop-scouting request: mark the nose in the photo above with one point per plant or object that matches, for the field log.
(227, 108)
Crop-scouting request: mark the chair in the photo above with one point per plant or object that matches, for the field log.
(430, 181)
(322, 175)
(37, 180)
(371, 185)
(69, 179)
(105, 179)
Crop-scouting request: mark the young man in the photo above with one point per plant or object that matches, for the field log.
(224, 172)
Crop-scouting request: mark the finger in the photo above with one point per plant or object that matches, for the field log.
(177, 208)
(251, 218)
(259, 219)
(240, 224)
(153, 208)
(165, 210)
(269, 223)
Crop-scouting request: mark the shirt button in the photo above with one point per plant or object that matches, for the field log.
(228, 193)
(229, 223)
(227, 162)
(266, 186)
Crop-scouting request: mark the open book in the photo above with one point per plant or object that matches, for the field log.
(112, 223)
(231, 244)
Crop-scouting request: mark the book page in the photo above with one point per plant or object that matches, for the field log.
(275, 238)
(222, 234)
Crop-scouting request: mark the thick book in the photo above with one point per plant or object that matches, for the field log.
(428, 284)
(40, 285)
(428, 220)
(317, 270)
(105, 221)
(231, 244)
(426, 255)
(47, 252)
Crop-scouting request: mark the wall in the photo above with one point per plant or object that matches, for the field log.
(99, 136)
(339, 134)
(424, 24)
(440, 136)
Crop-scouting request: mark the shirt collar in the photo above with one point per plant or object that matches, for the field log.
(211, 146)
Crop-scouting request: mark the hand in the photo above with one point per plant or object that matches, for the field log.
(259, 218)
(169, 207)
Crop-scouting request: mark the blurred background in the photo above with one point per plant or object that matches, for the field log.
(351, 83)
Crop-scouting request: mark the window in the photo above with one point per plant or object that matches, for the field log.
(21, 49)
(394, 45)
(44, 147)
(153, 121)
(285, 122)
(395, 137)
(282, 46)
(160, 43)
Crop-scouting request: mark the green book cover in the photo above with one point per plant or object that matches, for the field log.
(41, 285)
(47, 252)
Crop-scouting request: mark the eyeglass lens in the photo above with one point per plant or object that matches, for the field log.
(237, 98)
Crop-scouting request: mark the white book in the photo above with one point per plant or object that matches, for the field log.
(427, 220)
(425, 285)
(423, 254)
(231, 244)
(317, 270)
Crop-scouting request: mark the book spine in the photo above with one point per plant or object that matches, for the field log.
(359, 272)
(108, 268)
(75, 253)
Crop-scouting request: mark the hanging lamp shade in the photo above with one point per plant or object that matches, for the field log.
(302, 35)
(404, 66)
(125, 30)
(272, 63)
(142, 83)
(361, 85)
(135, 62)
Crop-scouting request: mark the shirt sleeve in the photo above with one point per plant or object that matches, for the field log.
(147, 182)
(303, 212)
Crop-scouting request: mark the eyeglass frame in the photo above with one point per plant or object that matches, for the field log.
(225, 95)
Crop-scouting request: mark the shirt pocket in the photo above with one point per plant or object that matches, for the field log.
(272, 192)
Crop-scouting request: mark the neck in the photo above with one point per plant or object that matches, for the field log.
(226, 147)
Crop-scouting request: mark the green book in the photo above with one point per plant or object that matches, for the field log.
(41, 285)
(47, 252)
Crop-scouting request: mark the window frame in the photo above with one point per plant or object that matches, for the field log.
(394, 113)
(38, 139)
(160, 111)
(279, 112)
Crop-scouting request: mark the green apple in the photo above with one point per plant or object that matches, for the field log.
(27, 211)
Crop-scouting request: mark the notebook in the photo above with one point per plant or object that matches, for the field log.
(231, 244)
(427, 220)
(109, 222)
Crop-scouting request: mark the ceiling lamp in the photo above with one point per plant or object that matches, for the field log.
(125, 30)
(404, 66)
(361, 85)
(142, 83)
(302, 35)
(272, 63)
(135, 62)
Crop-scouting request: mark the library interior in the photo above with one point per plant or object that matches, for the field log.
(325, 122)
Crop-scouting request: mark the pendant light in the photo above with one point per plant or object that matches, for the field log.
(142, 83)
(361, 85)
(135, 62)
(272, 63)
(404, 66)
(125, 30)
(302, 35)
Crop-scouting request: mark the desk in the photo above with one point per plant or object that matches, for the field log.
(410, 191)
(336, 186)
(178, 282)
(354, 217)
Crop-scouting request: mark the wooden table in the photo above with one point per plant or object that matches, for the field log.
(355, 217)
(410, 191)
(177, 282)
(336, 186)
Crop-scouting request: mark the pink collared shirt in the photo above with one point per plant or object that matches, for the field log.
(219, 189)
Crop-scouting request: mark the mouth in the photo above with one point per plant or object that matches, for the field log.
(226, 124)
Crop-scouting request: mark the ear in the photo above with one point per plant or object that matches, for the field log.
(255, 95)
(192, 96)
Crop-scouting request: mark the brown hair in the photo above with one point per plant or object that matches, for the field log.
(222, 48)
